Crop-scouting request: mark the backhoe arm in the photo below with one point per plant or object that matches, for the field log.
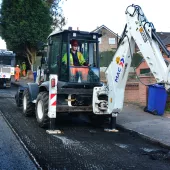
(109, 98)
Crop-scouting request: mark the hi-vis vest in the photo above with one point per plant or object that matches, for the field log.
(80, 58)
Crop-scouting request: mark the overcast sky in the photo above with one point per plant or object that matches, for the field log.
(88, 14)
(2, 44)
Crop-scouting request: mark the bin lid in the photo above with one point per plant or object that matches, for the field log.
(157, 86)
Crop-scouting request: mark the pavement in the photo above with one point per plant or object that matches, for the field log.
(13, 155)
(132, 118)
(152, 127)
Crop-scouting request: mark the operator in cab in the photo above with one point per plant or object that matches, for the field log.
(77, 59)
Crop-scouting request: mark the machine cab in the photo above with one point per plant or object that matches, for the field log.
(62, 62)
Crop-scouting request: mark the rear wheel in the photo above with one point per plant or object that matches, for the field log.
(27, 105)
(42, 109)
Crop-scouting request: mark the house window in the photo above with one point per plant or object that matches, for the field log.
(145, 71)
(112, 41)
(100, 40)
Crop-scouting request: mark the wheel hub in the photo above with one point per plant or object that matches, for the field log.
(40, 109)
(25, 103)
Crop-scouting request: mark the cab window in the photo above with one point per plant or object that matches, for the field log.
(84, 74)
(54, 54)
(63, 76)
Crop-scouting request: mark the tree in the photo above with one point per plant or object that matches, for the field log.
(25, 23)
(58, 18)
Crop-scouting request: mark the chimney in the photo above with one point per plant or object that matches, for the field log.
(70, 28)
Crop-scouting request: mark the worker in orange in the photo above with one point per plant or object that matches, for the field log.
(76, 59)
(23, 69)
(17, 73)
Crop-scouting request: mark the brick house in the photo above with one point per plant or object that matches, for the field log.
(109, 39)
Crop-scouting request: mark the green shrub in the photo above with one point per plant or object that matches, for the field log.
(107, 56)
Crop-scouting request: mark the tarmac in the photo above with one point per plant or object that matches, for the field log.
(152, 127)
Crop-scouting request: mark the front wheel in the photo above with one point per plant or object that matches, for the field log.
(42, 109)
(27, 105)
(18, 100)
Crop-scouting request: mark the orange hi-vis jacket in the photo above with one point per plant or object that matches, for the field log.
(17, 72)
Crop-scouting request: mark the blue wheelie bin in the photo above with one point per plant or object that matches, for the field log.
(157, 97)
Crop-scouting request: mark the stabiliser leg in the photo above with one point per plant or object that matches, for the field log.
(112, 125)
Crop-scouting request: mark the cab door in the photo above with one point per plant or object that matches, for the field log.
(54, 54)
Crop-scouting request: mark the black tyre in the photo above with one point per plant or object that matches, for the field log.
(27, 106)
(154, 112)
(17, 100)
(42, 109)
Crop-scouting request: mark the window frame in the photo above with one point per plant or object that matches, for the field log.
(111, 39)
